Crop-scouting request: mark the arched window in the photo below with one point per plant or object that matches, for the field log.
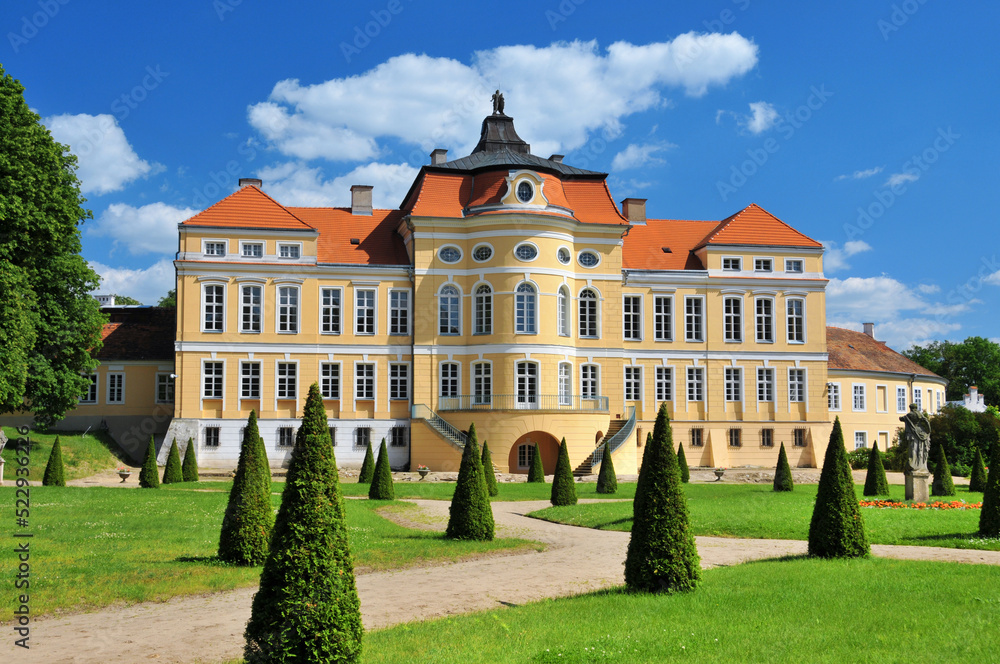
(525, 314)
(565, 384)
(483, 310)
(448, 310)
(525, 453)
(588, 313)
(562, 312)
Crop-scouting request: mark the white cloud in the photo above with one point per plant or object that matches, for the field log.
(148, 229)
(106, 160)
(835, 258)
(992, 279)
(897, 179)
(860, 175)
(762, 117)
(296, 184)
(929, 288)
(146, 285)
(561, 92)
(637, 156)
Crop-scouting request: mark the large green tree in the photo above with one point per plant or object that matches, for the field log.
(49, 334)
(975, 361)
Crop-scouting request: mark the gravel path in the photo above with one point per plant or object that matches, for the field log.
(210, 628)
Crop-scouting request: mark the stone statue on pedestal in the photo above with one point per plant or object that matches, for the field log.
(497, 103)
(917, 433)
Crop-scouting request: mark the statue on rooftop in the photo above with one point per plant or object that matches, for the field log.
(918, 438)
(497, 103)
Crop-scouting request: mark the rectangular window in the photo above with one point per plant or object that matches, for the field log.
(860, 440)
(632, 315)
(793, 265)
(364, 381)
(215, 248)
(362, 436)
(764, 320)
(399, 382)
(917, 398)
(90, 391)
(735, 437)
(767, 437)
(589, 375)
(210, 436)
(287, 380)
(696, 383)
(664, 383)
(211, 380)
(288, 251)
(449, 379)
(663, 315)
(164, 388)
(633, 383)
(763, 265)
(939, 400)
(565, 384)
(286, 436)
(252, 249)
(797, 385)
(250, 380)
(732, 264)
(693, 322)
(799, 437)
(116, 388)
(214, 308)
(833, 396)
(900, 399)
(399, 312)
(250, 308)
(732, 310)
(482, 383)
(796, 321)
(525, 453)
(859, 397)
(397, 436)
(288, 309)
(734, 384)
(364, 311)
(329, 310)
(697, 437)
(765, 384)
(588, 314)
(329, 380)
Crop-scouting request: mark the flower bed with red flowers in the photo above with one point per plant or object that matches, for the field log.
(936, 505)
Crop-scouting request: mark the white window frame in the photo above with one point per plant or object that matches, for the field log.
(111, 376)
(763, 322)
(440, 250)
(327, 383)
(694, 320)
(529, 399)
(258, 379)
(395, 381)
(482, 309)
(695, 384)
(247, 243)
(834, 397)
(728, 259)
(247, 317)
(733, 380)
(565, 383)
(901, 407)
(453, 380)
(369, 382)
(790, 263)
(855, 394)
(338, 309)
(93, 388)
(918, 398)
(579, 256)
(632, 319)
(206, 243)
(291, 311)
(396, 312)
(210, 437)
(563, 312)
(633, 382)
(165, 380)
(219, 306)
(664, 377)
(732, 318)
(479, 246)
(582, 312)
(663, 321)
(450, 305)
(797, 387)
(297, 246)
(482, 383)
(765, 384)
(880, 407)
(371, 312)
(767, 264)
(590, 380)
(526, 260)
(789, 317)
(862, 438)
(221, 380)
(281, 381)
(530, 314)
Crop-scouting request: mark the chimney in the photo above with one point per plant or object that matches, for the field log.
(439, 157)
(557, 158)
(361, 199)
(634, 210)
(869, 329)
(256, 182)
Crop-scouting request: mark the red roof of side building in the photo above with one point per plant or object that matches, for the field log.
(753, 225)
(248, 207)
(379, 243)
(139, 333)
(643, 249)
(856, 351)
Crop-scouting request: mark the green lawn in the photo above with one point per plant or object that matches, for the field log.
(83, 455)
(97, 546)
(755, 511)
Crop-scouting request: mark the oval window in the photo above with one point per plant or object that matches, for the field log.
(525, 192)
(482, 253)
(588, 259)
(526, 252)
(450, 254)
(563, 255)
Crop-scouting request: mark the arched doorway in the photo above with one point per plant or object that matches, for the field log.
(519, 460)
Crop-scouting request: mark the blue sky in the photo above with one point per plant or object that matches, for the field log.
(869, 126)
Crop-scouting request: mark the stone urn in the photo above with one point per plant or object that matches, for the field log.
(719, 472)
(423, 473)
(124, 474)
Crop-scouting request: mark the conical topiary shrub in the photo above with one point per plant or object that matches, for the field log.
(977, 480)
(536, 472)
(989, 515)
(563, 486)
(662, 556)
(382, 488)
(942, 485)
(607, 480)
(876, 483)
(682, 463)
(837, 529)
(783, 472)
(367, 466)
(488, 472)
(307, 607)
(190, 465)
(172, 473)
(55, 473)
(249, 517)
(148, 476)
(470, 515)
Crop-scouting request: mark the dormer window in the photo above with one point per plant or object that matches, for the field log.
(763, 265)
(793, 265)
(252, 249)
(288, 251)
(215, 248)
(732, 264)
(525, 191)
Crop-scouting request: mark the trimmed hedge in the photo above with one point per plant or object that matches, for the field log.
(782, 472)
(536, 472)
(367, 466)
(607, 480)
(149, 477)
(837, 529)
(977, 481)
(470, 516)
(55, 472)
(172, 473)
(249, 517)
(942, 485)
(563, 486)
(190, 466)
(662, 556)
(989, 515)
(382, 487)
(489, 473)
(682, 463)
(876, 483)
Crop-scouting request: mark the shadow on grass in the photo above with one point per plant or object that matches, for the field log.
(211, 561)
(945, 536)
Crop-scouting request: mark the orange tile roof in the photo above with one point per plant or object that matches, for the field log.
(643, 249)
(591, 202)
(248, 207)
(439, 195)
(486, 188)
(754, 225)
(380, 244)
(856, 351)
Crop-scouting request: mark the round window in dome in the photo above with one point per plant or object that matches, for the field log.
(482, 253)
(526, 252)
(525, 191)
(588, 259)
(450, 254)
(563, 255)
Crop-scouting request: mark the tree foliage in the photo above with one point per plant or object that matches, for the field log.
(55, 472)
(837, 529)
(975, 361)
(607, 480)
(989, 515)
(876, 483)
(536, 472)
(382, 487)
(662, 556)
(190, 467)
(367, 466)
(489, 472)
(470, 516)
(125, 301)
(682, 463)
(148, 475)
(563, 486)
(783, 472)
(169, 300)
(961, 432)
(172, 472)
(307, 607)
(249, 517)
(49, 323)
(942, 485)
(977, 480)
